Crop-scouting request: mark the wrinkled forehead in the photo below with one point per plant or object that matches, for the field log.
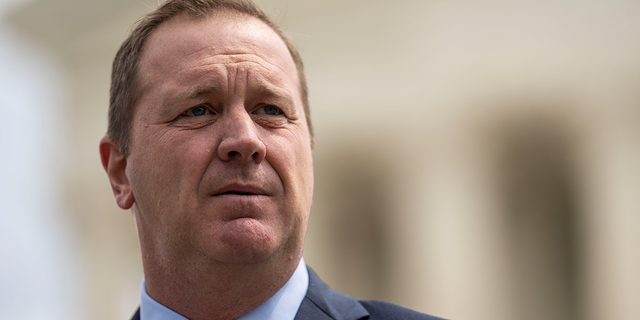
(182, 39)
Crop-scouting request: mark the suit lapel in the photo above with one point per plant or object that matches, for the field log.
(324, 303)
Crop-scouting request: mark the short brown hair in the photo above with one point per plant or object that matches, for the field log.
(125, 86)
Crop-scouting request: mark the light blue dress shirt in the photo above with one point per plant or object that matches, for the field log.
(281, 306)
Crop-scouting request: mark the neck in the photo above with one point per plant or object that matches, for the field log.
(224, 291)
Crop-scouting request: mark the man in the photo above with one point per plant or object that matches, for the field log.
(209, 142)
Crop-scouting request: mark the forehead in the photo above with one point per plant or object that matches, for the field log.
(183, 44)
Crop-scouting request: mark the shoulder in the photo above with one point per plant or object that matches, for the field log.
(380, 310)
(322, 302)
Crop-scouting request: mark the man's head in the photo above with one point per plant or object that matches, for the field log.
(218, 165)
(125, 83)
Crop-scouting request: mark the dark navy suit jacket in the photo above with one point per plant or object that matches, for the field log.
(324, 303)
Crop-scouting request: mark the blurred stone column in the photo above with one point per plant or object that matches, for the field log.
(84, 36)
(610, 158)
(449, 230)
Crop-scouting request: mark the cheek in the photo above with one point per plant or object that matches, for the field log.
(292, 159)
(176, 150)
(166, 168)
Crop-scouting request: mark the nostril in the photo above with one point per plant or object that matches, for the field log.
(241, 149)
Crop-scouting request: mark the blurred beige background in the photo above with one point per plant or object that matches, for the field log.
(474, 160)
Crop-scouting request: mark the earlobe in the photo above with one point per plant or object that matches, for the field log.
(115, 164)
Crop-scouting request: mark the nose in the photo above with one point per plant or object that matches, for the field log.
(240, 140)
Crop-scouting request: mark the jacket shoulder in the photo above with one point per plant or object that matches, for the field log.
(380, 310)
(136, 316)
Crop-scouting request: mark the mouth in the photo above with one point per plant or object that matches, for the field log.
(240, 202)
(240, 190)
(239, 193)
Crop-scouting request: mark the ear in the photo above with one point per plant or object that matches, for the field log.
(115, 164)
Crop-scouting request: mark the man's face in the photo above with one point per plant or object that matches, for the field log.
(220, 164)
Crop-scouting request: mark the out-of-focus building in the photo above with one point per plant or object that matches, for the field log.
(474, 160)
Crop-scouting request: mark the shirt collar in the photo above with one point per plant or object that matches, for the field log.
(281, 306)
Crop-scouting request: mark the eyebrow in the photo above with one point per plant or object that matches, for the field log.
(210, 88)
(204, 90)
(214, 88)
(274, 92)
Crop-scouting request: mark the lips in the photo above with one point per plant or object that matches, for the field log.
(235, 202)
(240, 190)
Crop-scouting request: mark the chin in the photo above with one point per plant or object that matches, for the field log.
(245, 241)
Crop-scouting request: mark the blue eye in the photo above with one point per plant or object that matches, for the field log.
(197, 111)
(271, 110)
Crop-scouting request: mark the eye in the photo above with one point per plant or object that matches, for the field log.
(198, 111)
(269, 110)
